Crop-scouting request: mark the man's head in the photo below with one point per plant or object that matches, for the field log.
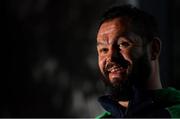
(128, 47)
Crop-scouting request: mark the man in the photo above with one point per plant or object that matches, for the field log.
(128, 48)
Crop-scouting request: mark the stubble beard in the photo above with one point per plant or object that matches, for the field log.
(122, 89)
(119, 88)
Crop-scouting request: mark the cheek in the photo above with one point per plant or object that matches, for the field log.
(127, 55)
(136, 53)
(133, 54)
(101, 62)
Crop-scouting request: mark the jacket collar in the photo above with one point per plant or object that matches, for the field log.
(111, 105)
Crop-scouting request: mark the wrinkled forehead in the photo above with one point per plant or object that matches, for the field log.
(113, 26)
(107, 28)
(116, 28)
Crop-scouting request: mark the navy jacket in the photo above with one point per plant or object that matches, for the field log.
(162, 103)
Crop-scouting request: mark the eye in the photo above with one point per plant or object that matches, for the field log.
(124, 44)
(103, 50)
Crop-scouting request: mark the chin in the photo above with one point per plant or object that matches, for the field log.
(119, 88)
(117, 82)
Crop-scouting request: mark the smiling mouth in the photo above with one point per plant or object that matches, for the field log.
(116, 72)
(116, 69)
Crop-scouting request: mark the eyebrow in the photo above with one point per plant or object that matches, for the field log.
(105, 42)
(132, 37)
(101, 43)
(128, 36)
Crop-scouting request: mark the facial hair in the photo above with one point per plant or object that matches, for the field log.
(137, 78)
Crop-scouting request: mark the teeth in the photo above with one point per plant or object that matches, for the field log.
(114, 69)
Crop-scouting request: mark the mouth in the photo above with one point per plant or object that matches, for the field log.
(116, 72)
(115, 69)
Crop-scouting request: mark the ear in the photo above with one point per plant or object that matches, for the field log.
(155, 48)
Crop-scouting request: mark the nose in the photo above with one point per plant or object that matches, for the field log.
(114, 54)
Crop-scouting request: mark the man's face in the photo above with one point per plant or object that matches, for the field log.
(120, 52)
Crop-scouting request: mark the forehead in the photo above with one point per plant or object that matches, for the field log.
(115, 23)
(112, 30)
(112, 27)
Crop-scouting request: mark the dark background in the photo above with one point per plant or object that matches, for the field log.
(51, 60)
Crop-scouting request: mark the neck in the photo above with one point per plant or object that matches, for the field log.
(124, 103)
(154, 82)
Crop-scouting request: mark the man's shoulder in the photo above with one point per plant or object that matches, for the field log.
(174, 111)
(169, 101)
(172, 96)
(169, 95)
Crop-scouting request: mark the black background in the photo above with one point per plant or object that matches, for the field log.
(51, 60)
